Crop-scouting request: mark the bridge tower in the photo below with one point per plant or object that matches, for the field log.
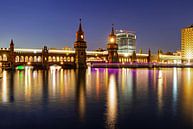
(11, 58)
(112, 48)
(149, 56)
(134, 57)
(45, 57)
(80, 48)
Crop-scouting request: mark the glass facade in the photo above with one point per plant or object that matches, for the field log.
(187, 43)
(126, 41)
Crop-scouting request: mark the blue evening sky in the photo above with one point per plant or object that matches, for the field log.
(35, 23)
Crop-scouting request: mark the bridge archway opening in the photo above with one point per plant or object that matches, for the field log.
(72, 59)
(64, 59)
(30, 59)
(49, 59)
(17, 59)
(61, 59)
(4, 57)
(21, 59)
(35, 59)
(26, 59)
(39, 59)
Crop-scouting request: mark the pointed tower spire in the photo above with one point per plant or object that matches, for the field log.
(80, 26)
(112, 47)
(112, 32)
(80, 48)
(11, 42)
(11, 46)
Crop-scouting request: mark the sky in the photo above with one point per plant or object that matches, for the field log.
(35, 23)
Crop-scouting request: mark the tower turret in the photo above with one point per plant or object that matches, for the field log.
(149, 56)
(11, 47)
(11, 58)
(112, 47)
(80, 48)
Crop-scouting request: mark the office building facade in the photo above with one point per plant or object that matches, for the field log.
(187, 44)
(126, 41)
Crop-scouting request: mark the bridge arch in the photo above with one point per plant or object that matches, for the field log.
(26, 58)
(57, 59)
(21, 59)
(35, 59)
(65, 59)
(17, 59)
(68, 59)
(49, 59)
(72, 59)
(39, 59)
(53, 59)
(30, 59)
(4, 57)
(61, 59)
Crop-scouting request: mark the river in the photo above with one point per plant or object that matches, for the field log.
(97, 98)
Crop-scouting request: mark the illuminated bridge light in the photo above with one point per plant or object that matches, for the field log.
(20, 67)
(170, 57)
(60, 51)
(24, 50)
(142, 54)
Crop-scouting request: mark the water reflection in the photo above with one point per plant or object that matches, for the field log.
(160, 90)
(97, 83)
(112, 103)
(4, 88)
(45, 91)
(81, 93)
(28, 85)
(109, 96)
(175, 88)
(187, 96)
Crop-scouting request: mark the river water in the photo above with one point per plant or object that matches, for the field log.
(97, 99)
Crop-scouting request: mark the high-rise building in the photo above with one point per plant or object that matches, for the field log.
(187, 43)
(126, 41)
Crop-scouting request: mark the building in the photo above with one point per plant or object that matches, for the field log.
(187, 44)
(126, 41)
(112, 48)
(80, 46)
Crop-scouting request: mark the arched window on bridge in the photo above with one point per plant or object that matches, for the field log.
(61, 59)
(49, 59)
(54, 59)
(35, 59)
(58, 59)
(68, 59)
(39, 58)
(26, 59)
(21, 59)
(121, 60)
(30, 59)
(17, 59)
(4, 57)
(72, 59)
(64, 59)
